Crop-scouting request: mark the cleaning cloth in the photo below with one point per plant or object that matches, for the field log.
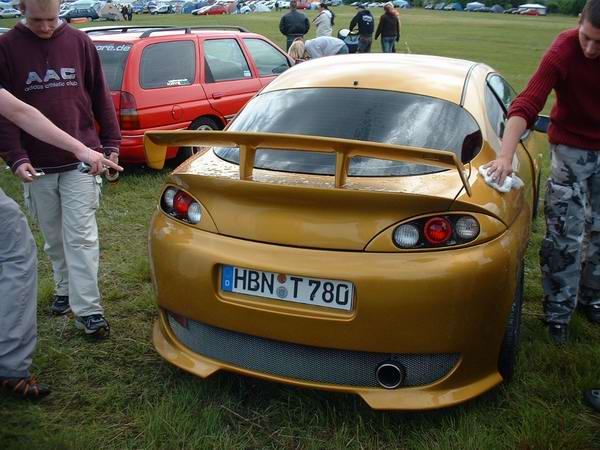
(510, 182)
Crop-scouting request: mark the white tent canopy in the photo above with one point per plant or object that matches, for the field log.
(540, 8)
(475, 4)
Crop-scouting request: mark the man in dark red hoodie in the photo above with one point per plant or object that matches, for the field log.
(55, 68)
(571, 67)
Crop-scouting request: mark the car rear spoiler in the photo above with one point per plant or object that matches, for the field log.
(156, 143)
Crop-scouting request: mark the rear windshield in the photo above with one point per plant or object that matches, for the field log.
(359, 114)
(113, 56)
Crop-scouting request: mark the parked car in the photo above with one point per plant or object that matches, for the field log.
(323, 242)
(162, 9)
(530, 12)
(3, 30)
(453, 7)
(9, 13)
(211, 10)
(79, 13)
(511, 10)
(439, 6)
(182, 78)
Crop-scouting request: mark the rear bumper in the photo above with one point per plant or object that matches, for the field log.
(132, 144)
(449, 306)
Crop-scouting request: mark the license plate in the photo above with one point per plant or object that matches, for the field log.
(292, 288)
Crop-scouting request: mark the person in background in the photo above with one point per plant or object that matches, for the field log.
(570, 67)
(324, 21)
(389, 29)
(293, 24)
(18, 256)
(277, 5)
(56, 68)
(124, 12)
(366, 24)
(129, 13)
(316, 48)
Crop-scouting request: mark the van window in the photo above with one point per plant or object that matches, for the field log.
(113, 56)
(168, 64)
(268, 60)
(224, 61)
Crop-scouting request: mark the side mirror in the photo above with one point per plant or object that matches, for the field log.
(541, 124)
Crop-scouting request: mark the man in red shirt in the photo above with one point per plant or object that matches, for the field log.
(571, 67)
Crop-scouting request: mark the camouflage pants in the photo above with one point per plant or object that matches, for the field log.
(570, 251)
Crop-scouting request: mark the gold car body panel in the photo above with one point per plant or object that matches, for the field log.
(411, 73)
(444, 300)
(404, 302)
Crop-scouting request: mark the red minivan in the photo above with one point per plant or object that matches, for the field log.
(168, 78)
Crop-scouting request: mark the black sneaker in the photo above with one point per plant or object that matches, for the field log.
(60, 305)
(25, 388)
(592, 398)
(592, 312)
(559, 332)
(93, 325)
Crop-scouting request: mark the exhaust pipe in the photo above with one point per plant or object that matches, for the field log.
(390, 374)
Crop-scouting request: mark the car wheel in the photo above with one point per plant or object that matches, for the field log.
(201, 124)
(512, 334)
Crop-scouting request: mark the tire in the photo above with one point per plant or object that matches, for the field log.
(200, 124)
(510, 343)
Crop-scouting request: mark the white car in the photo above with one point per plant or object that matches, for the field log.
(9, 13)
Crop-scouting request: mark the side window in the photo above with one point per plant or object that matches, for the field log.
(505, 93)
(498, 97)
(224, 61)
(168, 64)
(495, 112)
(268, 60)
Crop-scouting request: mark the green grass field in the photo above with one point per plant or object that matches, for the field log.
(120, 394)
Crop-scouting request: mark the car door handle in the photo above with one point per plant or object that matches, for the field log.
(217, 95)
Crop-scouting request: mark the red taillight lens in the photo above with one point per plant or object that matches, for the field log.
(437, 230)
(181, 205)
(182, 202)
(128, 114)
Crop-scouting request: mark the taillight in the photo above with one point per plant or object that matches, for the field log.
(180, 205)
(128, 114)
(436, 231)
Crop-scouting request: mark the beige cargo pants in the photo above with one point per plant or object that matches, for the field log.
(64, 205)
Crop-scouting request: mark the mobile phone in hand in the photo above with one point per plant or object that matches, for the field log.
(36, 174)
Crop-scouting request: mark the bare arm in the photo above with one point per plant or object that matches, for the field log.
(501, 167)
(35, 123)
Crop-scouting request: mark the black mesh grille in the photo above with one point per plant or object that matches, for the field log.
(301, 362)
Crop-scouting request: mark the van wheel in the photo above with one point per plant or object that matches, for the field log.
(201, 124)
(512, 334)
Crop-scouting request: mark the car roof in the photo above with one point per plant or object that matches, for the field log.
(434, 76)
(132, 33)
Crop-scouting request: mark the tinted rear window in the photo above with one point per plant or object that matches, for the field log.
(113, 56)
(168, 64)
(358, 114)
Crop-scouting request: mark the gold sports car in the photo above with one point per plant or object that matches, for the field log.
(339, 235)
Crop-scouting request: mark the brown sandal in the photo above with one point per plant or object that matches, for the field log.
(26, 388)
